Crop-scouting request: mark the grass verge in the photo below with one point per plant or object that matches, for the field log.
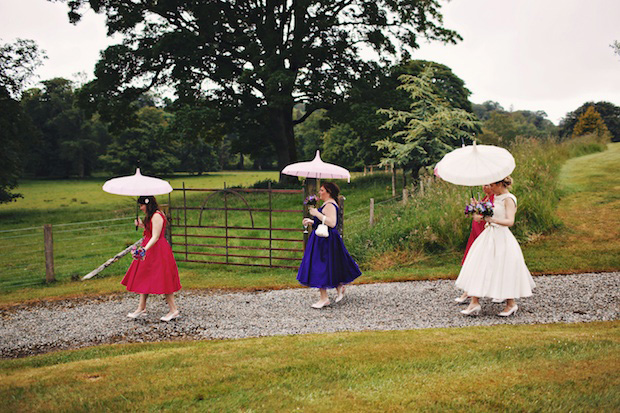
(560, 367)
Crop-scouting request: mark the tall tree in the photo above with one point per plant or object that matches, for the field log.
(429, 129)
(590, 122)
(379, 89)
(67, 140)
(266, 55)
(17, 64)
(608, 111)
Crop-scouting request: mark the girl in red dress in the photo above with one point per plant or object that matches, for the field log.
(476, 229)
(155, 272)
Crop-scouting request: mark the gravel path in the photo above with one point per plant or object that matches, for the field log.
(43, 327)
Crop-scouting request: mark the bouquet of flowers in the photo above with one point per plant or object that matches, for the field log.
(484, 208)
(138, 253)
(311, 200)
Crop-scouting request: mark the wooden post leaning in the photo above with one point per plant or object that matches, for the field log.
(49, 253)
(111, 260)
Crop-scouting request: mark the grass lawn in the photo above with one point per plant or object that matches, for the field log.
(590, 211)
(562, 367)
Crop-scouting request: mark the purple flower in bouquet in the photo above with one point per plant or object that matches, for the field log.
(311, 200)
(484, 208)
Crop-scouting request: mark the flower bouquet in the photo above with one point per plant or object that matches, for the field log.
(484, 208)
(138, 253)
(311, 200)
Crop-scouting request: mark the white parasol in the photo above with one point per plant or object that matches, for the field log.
(475, 165)
(317, 169)
(137, 185)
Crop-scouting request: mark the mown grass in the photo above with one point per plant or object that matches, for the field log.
(565, 367)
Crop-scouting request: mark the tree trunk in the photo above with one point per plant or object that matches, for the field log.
(281, 121)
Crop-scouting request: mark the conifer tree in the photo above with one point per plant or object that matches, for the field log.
(430, 129)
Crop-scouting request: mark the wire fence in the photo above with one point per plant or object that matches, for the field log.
(78, 248)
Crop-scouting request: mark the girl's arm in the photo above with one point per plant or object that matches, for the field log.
(157, 223)
(329, 212)
(511, 210)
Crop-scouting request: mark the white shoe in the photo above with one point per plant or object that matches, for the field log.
(461, 300)
(169, 317)
(320, 304)
(498, 300)
(509, 312)
(472, 311)
(136, 314)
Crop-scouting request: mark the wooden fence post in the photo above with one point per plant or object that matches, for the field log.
(372, 212)
(49, 253)
(405, 196)
(365, 170)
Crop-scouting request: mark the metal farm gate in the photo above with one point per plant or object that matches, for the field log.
(236, 226)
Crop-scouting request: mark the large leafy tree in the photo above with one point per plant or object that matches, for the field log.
(66, 140)
(427, 130)
(262, 55)
(146, 145)
(608, 111)
(18, 62)
(590, 122)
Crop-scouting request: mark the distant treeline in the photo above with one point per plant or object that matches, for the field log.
(64, 141)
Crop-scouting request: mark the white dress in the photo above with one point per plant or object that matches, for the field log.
(494, 266)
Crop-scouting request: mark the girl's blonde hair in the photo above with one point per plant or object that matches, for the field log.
(507, 182)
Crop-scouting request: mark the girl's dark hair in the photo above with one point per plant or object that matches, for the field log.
(332, 189)
(151, 207)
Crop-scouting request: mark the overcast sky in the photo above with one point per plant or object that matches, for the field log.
(550, 55)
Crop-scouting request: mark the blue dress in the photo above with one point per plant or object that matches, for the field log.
(326, 262)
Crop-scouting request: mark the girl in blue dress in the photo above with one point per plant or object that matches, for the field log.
(326, 262)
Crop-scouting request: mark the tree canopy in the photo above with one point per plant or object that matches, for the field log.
(260, 56)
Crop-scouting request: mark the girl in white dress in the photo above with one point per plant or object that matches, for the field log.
(494, 266)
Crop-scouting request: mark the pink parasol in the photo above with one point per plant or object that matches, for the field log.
(137, 185)
(317, 169)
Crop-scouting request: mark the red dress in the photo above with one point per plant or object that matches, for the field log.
(476, 229)
(158, 273)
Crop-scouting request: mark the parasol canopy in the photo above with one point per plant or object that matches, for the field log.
(475, 165)
(137, 185)
(316, 168)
